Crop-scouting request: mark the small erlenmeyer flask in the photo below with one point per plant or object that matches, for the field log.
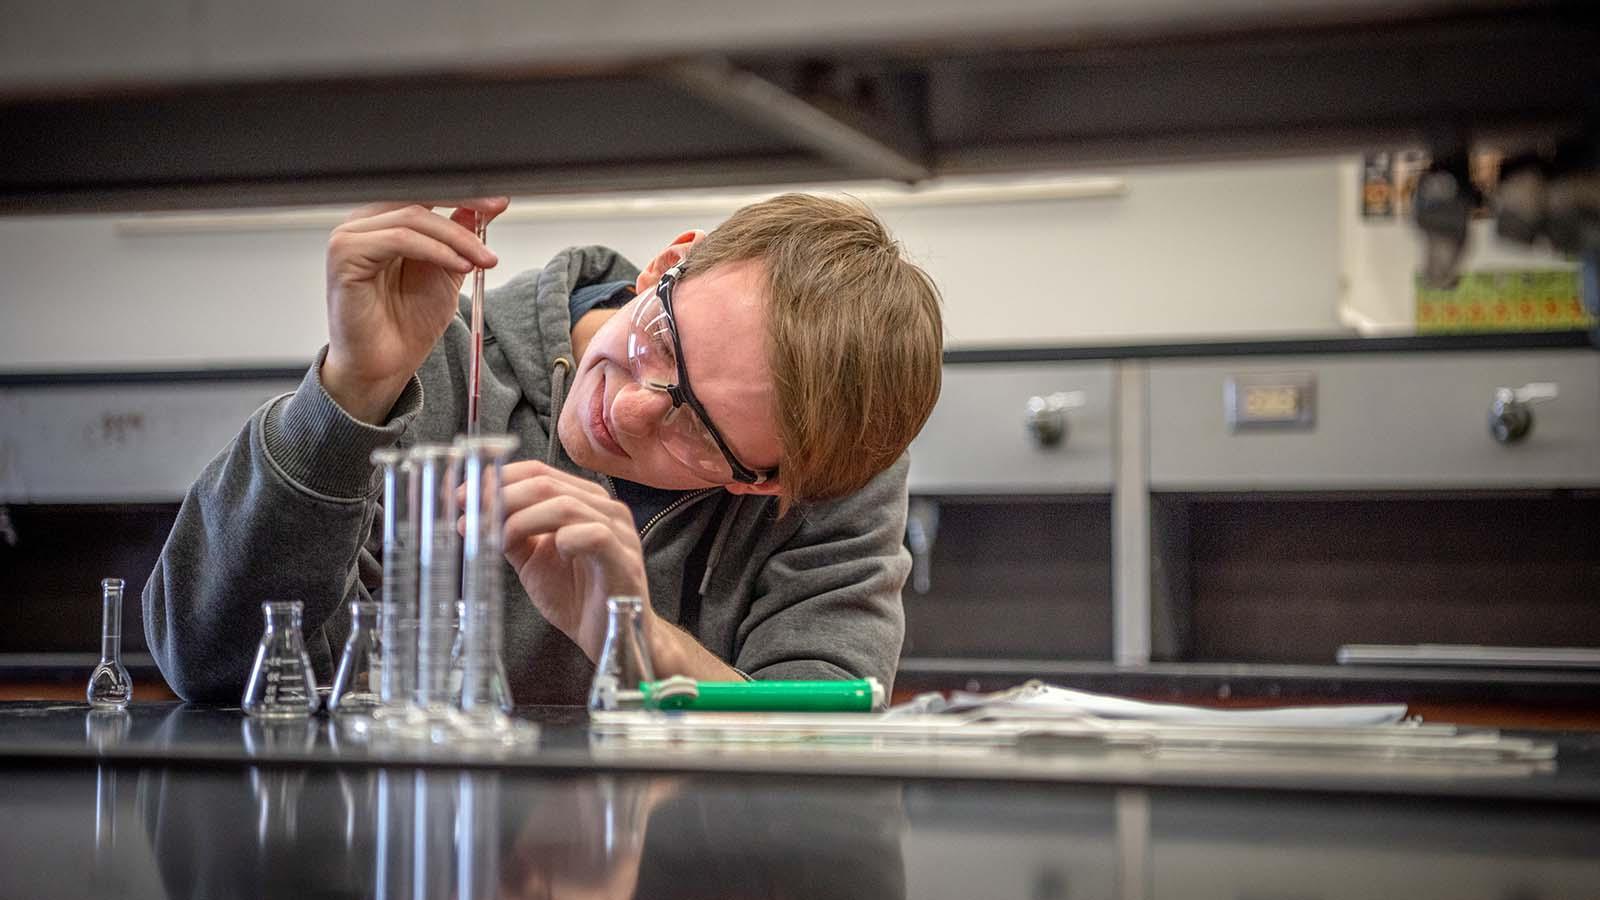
(357, 686)
(281, 684)
(109, 684)
(624, 657)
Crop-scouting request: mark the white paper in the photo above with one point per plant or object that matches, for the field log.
(1036, 700)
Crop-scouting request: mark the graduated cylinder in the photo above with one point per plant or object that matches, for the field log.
(484, 690)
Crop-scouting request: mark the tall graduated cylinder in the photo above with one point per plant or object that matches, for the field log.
(438, 581)
(484, 690)
(398, 613)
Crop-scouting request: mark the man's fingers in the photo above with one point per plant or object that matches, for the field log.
(518, 553)
(574, 530)
(528, 491)
(529, 483)
(532, 468)
(418, 218)
(467, 215)
(591, 540)
(540, 490)
(492, 206)
(548, 516)
(376, 248)
(595, 542)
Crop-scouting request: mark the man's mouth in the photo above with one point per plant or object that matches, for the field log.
(597, 420)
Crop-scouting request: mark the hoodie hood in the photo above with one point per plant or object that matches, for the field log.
(528, 323)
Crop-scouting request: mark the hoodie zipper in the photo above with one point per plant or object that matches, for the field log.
(611, 487)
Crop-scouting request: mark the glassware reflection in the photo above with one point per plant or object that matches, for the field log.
(423, 833)
(106, 728)
(276, 789)
(272, 737)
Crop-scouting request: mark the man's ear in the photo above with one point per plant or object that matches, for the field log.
(769, 488)
(666, 259)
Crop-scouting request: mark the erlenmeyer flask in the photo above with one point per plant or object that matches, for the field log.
(356, 686)
(109, 684)
(624, 657)
(281, 684)
(500, 690)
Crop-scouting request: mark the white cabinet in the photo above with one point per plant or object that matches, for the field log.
(118, 443)
(978, 442)
(1417, 421)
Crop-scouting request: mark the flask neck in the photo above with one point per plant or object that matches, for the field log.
(282, 617)
(622, 623)
(624, 654)
(111, 621)
(363, 615)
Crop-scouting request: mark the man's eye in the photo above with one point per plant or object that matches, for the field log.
(661, 345)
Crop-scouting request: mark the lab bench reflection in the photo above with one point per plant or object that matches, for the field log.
(275, 831)
(317, 831)
(325, 825)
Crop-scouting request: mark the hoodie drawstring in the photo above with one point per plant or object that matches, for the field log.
(558, 398)
(727, 511)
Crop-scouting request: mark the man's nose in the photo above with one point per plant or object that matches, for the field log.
(637, 411)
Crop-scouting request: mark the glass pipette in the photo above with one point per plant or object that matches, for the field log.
(473, 384)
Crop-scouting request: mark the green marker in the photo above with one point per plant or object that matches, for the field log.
(678, 692)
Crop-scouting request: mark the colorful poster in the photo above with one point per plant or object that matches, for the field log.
(1505, 300)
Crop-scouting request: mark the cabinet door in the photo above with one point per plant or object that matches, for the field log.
(1380, 422)
(978, 442)
(133, 443)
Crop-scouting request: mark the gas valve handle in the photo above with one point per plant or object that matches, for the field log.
(1046, 416)
(1510, 415)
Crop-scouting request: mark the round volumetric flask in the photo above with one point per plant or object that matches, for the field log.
(109, 684)
(281, 684)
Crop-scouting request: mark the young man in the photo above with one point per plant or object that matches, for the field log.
(722, 433)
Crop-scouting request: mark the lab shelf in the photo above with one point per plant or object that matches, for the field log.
(213, 104)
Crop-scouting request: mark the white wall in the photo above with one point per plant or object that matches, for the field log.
(1205, 252)
(1186, 251)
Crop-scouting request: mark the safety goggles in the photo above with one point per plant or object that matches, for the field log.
(655, 357)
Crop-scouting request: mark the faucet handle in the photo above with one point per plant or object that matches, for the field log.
(1510, 418)
(1060, 400)
(1046, 416)
(1535, 392)
(922, 528)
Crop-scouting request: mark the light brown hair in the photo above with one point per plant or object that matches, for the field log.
(854, 337)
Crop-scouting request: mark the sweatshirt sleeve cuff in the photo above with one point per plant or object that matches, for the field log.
(321, 447)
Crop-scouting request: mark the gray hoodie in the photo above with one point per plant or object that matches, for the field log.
(289, 511)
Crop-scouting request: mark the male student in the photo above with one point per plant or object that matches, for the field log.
(722, 433)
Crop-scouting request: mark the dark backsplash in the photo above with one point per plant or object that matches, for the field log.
(50, 579)
(1289, 580)
(1275, 580)
(1019, 579)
